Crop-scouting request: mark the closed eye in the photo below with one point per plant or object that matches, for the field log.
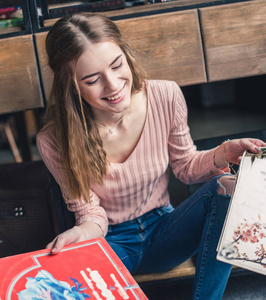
(92, 82)
(119, 66)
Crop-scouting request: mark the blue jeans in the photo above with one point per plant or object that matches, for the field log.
(165, 237)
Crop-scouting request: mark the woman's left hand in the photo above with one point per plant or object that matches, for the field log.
(231, 151)
(234, 148)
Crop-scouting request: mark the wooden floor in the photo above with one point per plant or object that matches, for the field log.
(184, 270)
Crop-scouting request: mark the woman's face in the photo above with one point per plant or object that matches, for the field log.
(104, 77)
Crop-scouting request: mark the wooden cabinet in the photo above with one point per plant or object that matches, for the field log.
(19, 79)
(234, 38)
(195, 45)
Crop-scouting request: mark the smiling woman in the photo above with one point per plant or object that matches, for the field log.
(109, 137)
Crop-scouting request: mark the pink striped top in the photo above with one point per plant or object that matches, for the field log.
(139, 184)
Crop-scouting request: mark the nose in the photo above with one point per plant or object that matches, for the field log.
(111, 82)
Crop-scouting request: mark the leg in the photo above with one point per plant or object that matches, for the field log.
(125, 257)
(124, 240)
(226, 185)
(195, 225)
(212, 275)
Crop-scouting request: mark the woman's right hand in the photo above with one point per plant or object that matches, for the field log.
(83, 232)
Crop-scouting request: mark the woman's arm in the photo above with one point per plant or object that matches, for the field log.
(192, 166)
(91, 219)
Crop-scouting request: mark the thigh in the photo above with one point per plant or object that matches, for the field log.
(122, 253)
(178, 234)
(125, 242)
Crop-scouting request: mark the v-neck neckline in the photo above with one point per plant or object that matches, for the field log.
(142, 132)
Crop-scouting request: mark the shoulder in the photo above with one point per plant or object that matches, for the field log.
(48, 148)
(46, 138)
(167, 98)
(166, 93)
(163, 86)
(164, 90)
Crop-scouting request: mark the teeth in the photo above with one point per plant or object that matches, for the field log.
(120, 94)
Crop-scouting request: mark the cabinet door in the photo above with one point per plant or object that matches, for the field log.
(19, 81)
(169, 45)
(234, 38)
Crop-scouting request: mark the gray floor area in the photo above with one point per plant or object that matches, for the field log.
(222, 121)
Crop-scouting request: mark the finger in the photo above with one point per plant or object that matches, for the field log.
(54, 246)
(58, 246)
(51, 244)
(61, 241)
(252, 145)
(257, 144)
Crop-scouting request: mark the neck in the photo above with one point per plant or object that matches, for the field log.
(115, 123)
(109, 120)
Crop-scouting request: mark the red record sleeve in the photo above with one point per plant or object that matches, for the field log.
(86, 270)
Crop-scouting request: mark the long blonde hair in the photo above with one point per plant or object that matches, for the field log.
(80, 146)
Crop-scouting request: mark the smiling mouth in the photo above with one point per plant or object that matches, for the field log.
(117, 96)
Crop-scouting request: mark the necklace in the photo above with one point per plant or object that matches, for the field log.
(110, 130)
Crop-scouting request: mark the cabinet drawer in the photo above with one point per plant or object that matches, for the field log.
(234, 38)
(169, 45)
(19, 81)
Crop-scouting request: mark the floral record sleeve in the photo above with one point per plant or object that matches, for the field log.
(243, 240)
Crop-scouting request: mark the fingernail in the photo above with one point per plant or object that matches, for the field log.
(257, 149)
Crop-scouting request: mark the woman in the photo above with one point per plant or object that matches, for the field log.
(109, 137)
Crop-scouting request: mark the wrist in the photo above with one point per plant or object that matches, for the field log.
(90, 230)
(220, 155)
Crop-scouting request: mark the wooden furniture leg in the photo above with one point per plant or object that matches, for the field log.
(12, 142)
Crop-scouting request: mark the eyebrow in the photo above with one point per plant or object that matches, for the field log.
(93, 74)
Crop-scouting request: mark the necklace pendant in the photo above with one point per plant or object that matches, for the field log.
(110, 130)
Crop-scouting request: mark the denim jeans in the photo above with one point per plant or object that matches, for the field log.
(165, 237)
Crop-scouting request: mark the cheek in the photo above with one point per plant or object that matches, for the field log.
(86, 92)
(90, 94)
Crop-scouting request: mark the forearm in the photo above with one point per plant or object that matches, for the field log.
(89, 230)
(220, 158)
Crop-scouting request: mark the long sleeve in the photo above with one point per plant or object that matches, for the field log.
(189, 165)
(91, 211)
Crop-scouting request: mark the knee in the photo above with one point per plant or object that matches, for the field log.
(226, 184)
